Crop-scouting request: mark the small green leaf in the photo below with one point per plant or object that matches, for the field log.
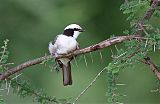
(2, 101)
(126, 31)
(115, 71)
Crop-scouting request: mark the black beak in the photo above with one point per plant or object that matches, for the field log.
(81, 30)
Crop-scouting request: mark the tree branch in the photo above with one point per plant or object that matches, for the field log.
(153, 66)
(149, 13)
(101, 45)
(147, 16)
(92, 48)
(151, 10)
(18, 68)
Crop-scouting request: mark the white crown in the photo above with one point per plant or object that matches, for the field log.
(72, 26)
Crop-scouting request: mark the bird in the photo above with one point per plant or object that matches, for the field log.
(63, 44)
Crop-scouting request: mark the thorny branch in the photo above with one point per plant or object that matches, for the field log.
(101, 45)
(95, 47)
(149, 13)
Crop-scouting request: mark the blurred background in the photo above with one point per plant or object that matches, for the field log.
(31, 24)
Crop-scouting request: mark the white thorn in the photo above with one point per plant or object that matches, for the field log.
(85, 60)
(91, 57)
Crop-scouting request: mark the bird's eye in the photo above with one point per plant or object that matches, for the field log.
(76, 29)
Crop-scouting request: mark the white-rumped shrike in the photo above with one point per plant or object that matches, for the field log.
(64, 44)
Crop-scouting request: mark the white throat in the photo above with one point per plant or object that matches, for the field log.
(76, 34)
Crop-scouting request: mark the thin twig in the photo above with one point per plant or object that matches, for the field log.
(90, 84)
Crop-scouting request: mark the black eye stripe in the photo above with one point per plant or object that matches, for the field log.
(76, 29)
(68, 32)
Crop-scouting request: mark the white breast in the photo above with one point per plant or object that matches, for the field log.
(65, 44)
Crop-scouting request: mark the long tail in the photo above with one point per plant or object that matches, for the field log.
(67, 77)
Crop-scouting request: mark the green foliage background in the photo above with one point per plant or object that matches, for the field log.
(31, 24)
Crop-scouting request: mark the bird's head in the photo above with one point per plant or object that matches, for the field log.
(73, 30)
